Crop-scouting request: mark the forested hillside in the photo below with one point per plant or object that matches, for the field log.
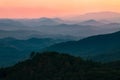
(59, 66)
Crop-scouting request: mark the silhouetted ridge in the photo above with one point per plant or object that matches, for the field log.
(57, 66)
(92, 47)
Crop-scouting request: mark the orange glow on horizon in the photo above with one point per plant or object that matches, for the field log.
(54, 8)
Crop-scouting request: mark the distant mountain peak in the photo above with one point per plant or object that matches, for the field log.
(91, 22)
(105, 15)
(103, 12)
(46, 21)
(53, 19)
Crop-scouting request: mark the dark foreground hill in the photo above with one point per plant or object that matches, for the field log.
(102, 47)
(55, 66)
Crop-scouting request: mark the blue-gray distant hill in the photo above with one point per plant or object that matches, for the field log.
(105, 16)
(102, 47)
(11, 24)
(52, 27)
(13, 50)
(41, 21)
(92, 22)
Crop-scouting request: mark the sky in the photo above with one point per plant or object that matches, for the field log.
(54, 8)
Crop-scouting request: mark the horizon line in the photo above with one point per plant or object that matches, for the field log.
(93, 12)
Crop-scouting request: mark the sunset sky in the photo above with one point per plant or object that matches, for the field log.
(54, 8)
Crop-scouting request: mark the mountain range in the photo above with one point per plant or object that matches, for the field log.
(19, 36)
(92, 22)
(50, 27)
(105, 16)
(13, 50)
(101, 47)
